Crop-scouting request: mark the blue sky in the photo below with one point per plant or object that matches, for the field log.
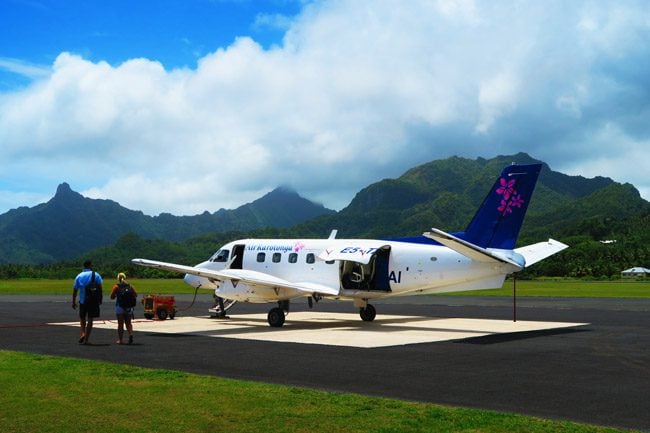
(186, 106)
(175, 33)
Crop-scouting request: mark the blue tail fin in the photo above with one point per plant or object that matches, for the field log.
(499, 219)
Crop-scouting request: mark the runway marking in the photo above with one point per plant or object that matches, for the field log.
(338, 329)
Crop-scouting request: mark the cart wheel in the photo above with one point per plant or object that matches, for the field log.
(161, 313)
(172, 315)
(148, 316)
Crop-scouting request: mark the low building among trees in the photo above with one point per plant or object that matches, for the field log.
(635, 272)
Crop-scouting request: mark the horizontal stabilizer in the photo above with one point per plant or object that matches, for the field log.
(470, 250)
(539, 251)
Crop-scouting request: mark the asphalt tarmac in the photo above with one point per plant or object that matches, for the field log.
(597, 373)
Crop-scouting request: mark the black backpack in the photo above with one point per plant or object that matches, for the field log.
(93, 292)
(126, 296)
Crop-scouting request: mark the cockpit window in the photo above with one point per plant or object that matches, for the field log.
(220, 256)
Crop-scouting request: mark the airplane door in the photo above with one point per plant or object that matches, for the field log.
(371, 276)
(380, 277)
(238, 255)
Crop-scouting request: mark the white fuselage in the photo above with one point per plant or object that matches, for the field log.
(278, 270)
(358, 268)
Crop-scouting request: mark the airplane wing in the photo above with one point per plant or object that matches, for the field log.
(252, 278)
(470, 250)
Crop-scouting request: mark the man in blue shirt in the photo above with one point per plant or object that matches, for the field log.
(88, 308)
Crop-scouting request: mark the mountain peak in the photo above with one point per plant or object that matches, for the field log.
(282, 207)
(64, 194)
(287, 196)
(63, 189)
(280, 194)
(283, 190)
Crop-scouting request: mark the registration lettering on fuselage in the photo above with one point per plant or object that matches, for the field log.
(358, 250)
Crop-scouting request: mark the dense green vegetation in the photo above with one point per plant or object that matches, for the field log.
(117, 258)
(75, 395)
(593, 253)
(587, 257)
(69, 224)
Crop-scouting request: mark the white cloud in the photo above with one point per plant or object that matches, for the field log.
(615, 152)
(23, 68)
(358, 92)
(496, 97)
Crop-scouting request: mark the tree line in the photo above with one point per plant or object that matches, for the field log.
(602, 249)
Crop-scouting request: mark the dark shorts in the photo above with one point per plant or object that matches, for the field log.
(88, 310)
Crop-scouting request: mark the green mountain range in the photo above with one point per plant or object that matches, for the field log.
(70, 224)
(585, 213)
(446, 193)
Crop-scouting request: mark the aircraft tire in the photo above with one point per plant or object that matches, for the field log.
(276, 317)
(368, 314)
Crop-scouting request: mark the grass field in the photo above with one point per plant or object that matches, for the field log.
(562, 288)
(569, 288)
(55, 394)
(64, 287)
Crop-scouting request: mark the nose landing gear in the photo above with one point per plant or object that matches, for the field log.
(218, 310)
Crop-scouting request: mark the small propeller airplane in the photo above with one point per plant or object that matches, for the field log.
(360, 270)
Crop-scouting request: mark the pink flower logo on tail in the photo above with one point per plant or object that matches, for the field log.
(516, 201)
(510, 198)
(507, 188)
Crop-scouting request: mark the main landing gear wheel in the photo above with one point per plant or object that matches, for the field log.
(276, 317)
(368, 314)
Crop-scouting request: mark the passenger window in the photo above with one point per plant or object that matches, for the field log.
(330, 262)
(277, 257)
(293, 258)
(261, 257)
(311, 258)
(220, 256)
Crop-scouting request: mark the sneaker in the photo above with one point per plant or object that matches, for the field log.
(130, 339)
(81, 340)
